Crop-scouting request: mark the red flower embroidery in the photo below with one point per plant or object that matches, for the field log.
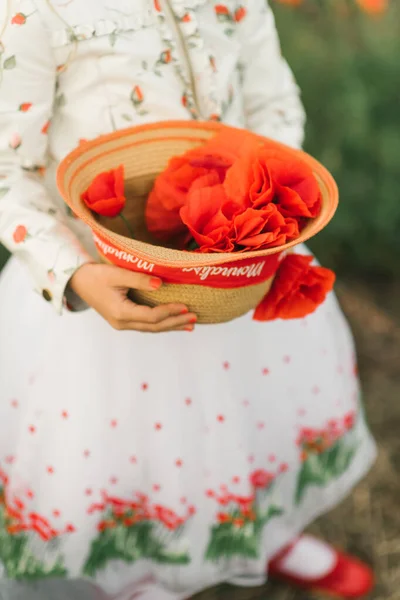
(223, 518)
(137, 96)
(186, 18)
(166, 57)
(221, 9)
(25, 106)
(240, 14)
(20, 234)
(19, 19)
(349, 420)
(157, 5)
(45, 128)
(297, 291)
(105, 195)
(261, 479)
(15, 141)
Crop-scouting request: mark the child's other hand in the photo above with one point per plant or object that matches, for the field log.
(105, 288)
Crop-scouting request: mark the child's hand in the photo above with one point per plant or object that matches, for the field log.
(105, 288)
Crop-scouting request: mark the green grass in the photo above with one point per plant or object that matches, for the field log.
(347, 68)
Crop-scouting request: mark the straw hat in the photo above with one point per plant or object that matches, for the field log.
(218, 287)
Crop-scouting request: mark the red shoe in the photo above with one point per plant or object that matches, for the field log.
(350, 578)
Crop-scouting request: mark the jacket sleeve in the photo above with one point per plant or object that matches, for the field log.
(271, 97)
(31, 226)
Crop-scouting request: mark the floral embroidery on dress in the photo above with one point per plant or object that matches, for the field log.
(326, 453)
(137, 99)
(29, 543)
(229, 18)
(132, 530)
(241, 519)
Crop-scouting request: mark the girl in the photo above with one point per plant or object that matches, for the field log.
(154, 467)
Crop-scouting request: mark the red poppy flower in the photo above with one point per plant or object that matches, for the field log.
(105, 195)
(260, 229)
(249, 180)
(297, 291)
(261, 479)
(296, 190)
(207, 215)
(221, 9)
(220, 225)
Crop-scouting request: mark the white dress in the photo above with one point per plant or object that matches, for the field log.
(189, 459)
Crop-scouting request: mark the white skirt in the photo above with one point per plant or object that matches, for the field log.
(191, 458)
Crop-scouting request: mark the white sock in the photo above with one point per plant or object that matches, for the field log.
(310, 558)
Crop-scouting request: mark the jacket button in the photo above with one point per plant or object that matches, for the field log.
(47, 295)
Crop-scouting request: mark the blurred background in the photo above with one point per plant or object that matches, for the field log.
(346, 57)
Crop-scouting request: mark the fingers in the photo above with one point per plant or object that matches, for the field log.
(129, 279)
(172, 324)
(161, 318)
(153, 316)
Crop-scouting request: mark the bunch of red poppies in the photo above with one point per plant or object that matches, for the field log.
(233, 194)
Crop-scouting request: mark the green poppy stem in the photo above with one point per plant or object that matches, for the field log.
(192, 245)
(127, 225)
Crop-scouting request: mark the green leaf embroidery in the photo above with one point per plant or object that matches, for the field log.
(16, 557)
(127, 117)
(4, 191)
(320, 469)
(244, 539)
(129, 544)
(10, 62)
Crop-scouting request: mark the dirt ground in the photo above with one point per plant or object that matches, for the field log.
(368, 523)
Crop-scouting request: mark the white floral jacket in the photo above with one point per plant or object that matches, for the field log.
(75, 69)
